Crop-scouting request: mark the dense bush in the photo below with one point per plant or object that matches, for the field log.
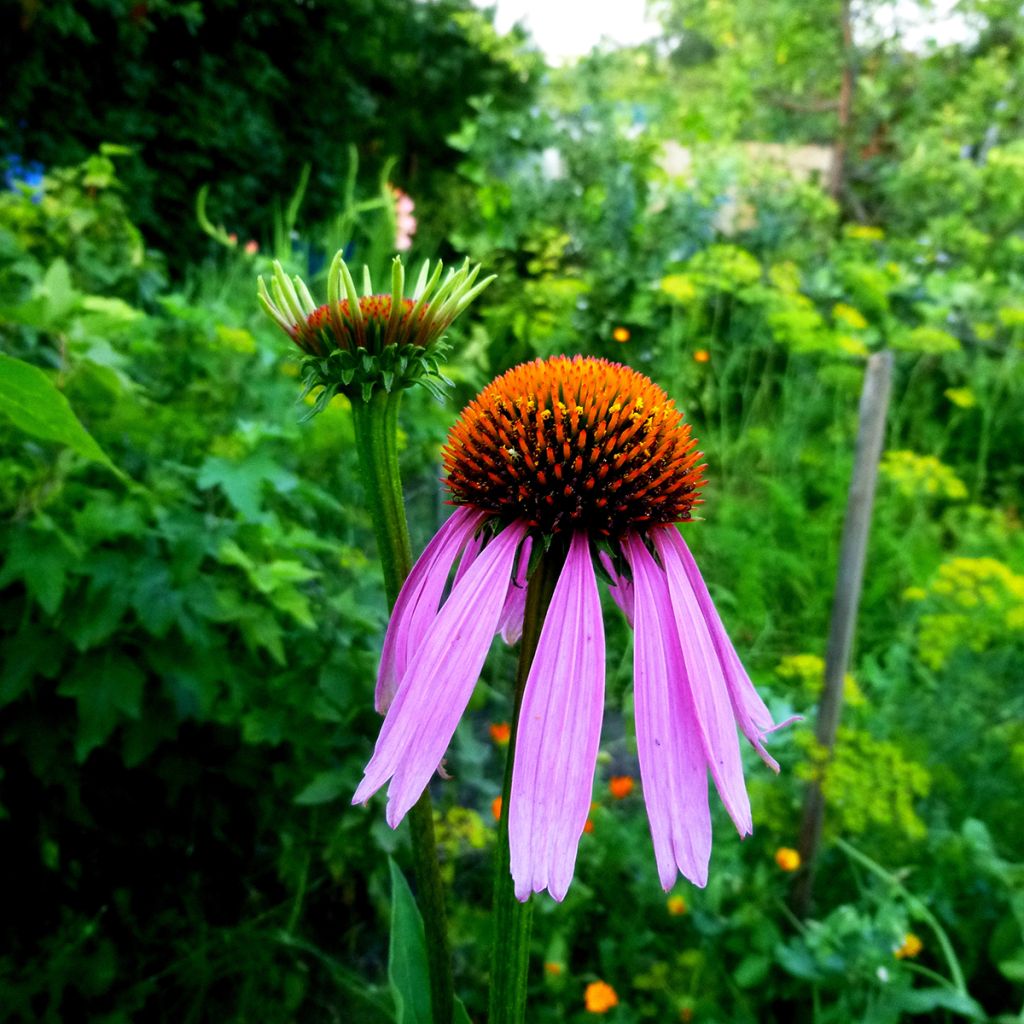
(239, 97)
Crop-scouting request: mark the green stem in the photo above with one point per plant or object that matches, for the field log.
(917, 906)
(376, 432)
(510, 945)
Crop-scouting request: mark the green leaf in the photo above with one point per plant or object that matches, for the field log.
(242, 482)
(41, 561)
(325, 787)
(924, 1000)
(106, 687)
(30, 401)
(407, 955)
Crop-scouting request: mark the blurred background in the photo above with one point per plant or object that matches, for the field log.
(743, 200)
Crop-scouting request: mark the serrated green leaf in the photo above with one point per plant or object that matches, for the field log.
(30, 401)
(106, 688)
(40, 559)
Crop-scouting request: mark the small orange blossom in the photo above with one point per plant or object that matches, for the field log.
(500, 733)
(496, 808)
(912, 945)
(621, 334)
(702, 355)
(600, 997)
(787, 858)
(620, 786)
(676, 906)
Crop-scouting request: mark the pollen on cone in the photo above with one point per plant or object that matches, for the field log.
(575, 443)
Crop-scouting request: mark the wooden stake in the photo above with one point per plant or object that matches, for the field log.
(874, 404)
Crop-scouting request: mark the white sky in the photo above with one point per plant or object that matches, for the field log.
(565, 29)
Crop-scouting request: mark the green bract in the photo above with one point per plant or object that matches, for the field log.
(355, 343)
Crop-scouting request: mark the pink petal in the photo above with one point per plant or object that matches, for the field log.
(473, 548)
(754, 718)
(510, 625)
(621, 589)
(558, 733)
(673, 768)
(439, 681)
(418, 600)
(704, 676)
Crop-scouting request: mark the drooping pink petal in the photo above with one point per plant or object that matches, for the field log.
(558, 734)
(418, 600)
(510, 625)
(621, 588)
(439, 680)
(474, 546)
(752, 715)
(705, 678)
(673, 767)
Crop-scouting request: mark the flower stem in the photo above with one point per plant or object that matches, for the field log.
(376, 432)
(510, 945)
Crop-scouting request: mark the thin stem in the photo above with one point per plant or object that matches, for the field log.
(510, 945)
(376, 432)
(917, 906)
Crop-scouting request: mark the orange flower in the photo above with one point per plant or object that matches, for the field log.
(500, 733)
(621, 334)
(600, 997)
(787, 858)
(252, 247)
(686, 1014)
(553, 968)
(702, 355)
(496, 808)
(588, 826)
(676, 906)
(912, 945)
(620, 786)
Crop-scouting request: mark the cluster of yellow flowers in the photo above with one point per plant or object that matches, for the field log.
(921, 476)
(973, 603)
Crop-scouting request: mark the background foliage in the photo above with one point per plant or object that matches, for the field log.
(191, 609)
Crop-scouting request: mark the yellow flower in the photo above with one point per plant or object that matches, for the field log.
(853, 318)
(621, 334)
(679, 287)
(701, 355)
(962, 397)
(676, 906)
(620, 786)
(599, 997)
(912, 945)
(864, 232)
(500, 733)
(787, 858)
(852, 345)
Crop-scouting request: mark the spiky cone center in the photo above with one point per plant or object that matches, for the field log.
(329, 327)
(575, 443)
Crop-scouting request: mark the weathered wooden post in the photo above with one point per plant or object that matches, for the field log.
(874, 404)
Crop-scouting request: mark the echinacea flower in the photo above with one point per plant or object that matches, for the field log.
(571, 458)
(355, 343)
